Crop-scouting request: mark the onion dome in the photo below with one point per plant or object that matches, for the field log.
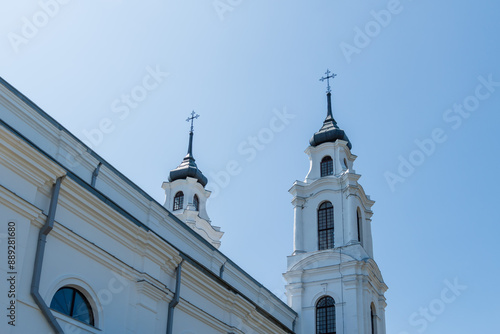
(188, 165)
(329, 132)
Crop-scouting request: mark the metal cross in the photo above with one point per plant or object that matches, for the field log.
(327, 78)
(192, 118)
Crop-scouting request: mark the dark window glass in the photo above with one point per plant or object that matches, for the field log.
(325, 226)
(326, 166)
(372, 317)
(196, 203)
(73, 303)
(178, 200)
(325, 316)
(358, 220)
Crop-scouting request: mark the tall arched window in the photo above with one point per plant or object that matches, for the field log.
(325, 226)
(73, 303)
(196, 203)
(359, 224)
(325, 316)
(326, 166)
(373, 317)
(178, 200)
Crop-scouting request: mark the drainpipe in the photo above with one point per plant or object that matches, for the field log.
(222, 268)
(40, 250)
(175, 300)
(95, 174)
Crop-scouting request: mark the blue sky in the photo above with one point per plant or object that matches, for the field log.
(417, 92)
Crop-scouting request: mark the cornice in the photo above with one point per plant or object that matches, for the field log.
(334, 183)
(154, 292)
(339, 143)
(187, 181)
(125, 191)
(19, 205)
(331, 255)
(22, 159)
(24, 113)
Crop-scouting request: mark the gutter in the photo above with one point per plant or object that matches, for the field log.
(40, 250)
(175, 300)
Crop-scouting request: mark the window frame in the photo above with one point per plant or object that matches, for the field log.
(83, 301)
(359, 225)
(178, 201)
(322, 321)
(373, 319)
(196, 202)
(326, 166)
(326, 233)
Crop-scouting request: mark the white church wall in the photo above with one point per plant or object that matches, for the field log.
(347, 285)
(339, 152)
(123, 260)
(197, 220)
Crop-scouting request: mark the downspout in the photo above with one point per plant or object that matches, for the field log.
(95, 174)
(221, 270)
(40, 250)
(175, 300)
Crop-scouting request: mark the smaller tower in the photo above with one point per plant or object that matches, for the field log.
(186, 196)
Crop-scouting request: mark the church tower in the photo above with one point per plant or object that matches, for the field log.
(186, 196)
(333, 281)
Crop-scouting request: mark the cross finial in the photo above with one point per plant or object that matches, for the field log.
(327, 78)
(192, 118)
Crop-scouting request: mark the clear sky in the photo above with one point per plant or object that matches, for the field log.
(417, 92)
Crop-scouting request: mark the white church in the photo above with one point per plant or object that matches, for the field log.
(85, 250)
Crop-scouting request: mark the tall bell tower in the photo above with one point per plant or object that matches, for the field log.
(333, 281)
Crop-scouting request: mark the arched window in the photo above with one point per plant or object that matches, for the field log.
(178, 200)
(373, 317)
(325, 316)
(73, 303)
(359, 224)
(325, 226)
(326, 166)
(196, 203)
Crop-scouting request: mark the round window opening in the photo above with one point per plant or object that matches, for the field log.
(73, 303)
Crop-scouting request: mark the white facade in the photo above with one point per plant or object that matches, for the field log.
(345, 270)
(79, 224)
(195, 216)
(133, 260)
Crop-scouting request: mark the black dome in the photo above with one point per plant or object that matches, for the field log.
(188, 168)
(329, 132)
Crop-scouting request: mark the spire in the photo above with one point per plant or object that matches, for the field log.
(188, 165)
(329, 114)
(191, 132)
(330, 131)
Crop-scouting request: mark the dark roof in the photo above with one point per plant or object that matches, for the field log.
(329, 132)
(188, 167)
